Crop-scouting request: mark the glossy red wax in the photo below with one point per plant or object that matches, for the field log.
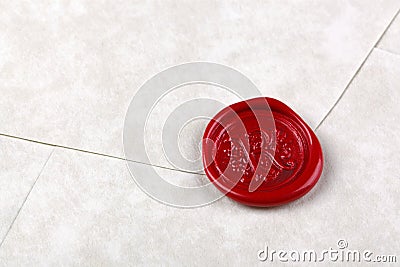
(272, 146)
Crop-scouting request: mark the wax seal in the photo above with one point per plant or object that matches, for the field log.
(259, 152)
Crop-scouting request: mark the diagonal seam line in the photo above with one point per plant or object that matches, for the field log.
(357, 71)
(172, 169)
(96, 153)
(25, 199)
(387, 51)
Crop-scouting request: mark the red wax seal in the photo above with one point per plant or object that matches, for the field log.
(259, 152)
